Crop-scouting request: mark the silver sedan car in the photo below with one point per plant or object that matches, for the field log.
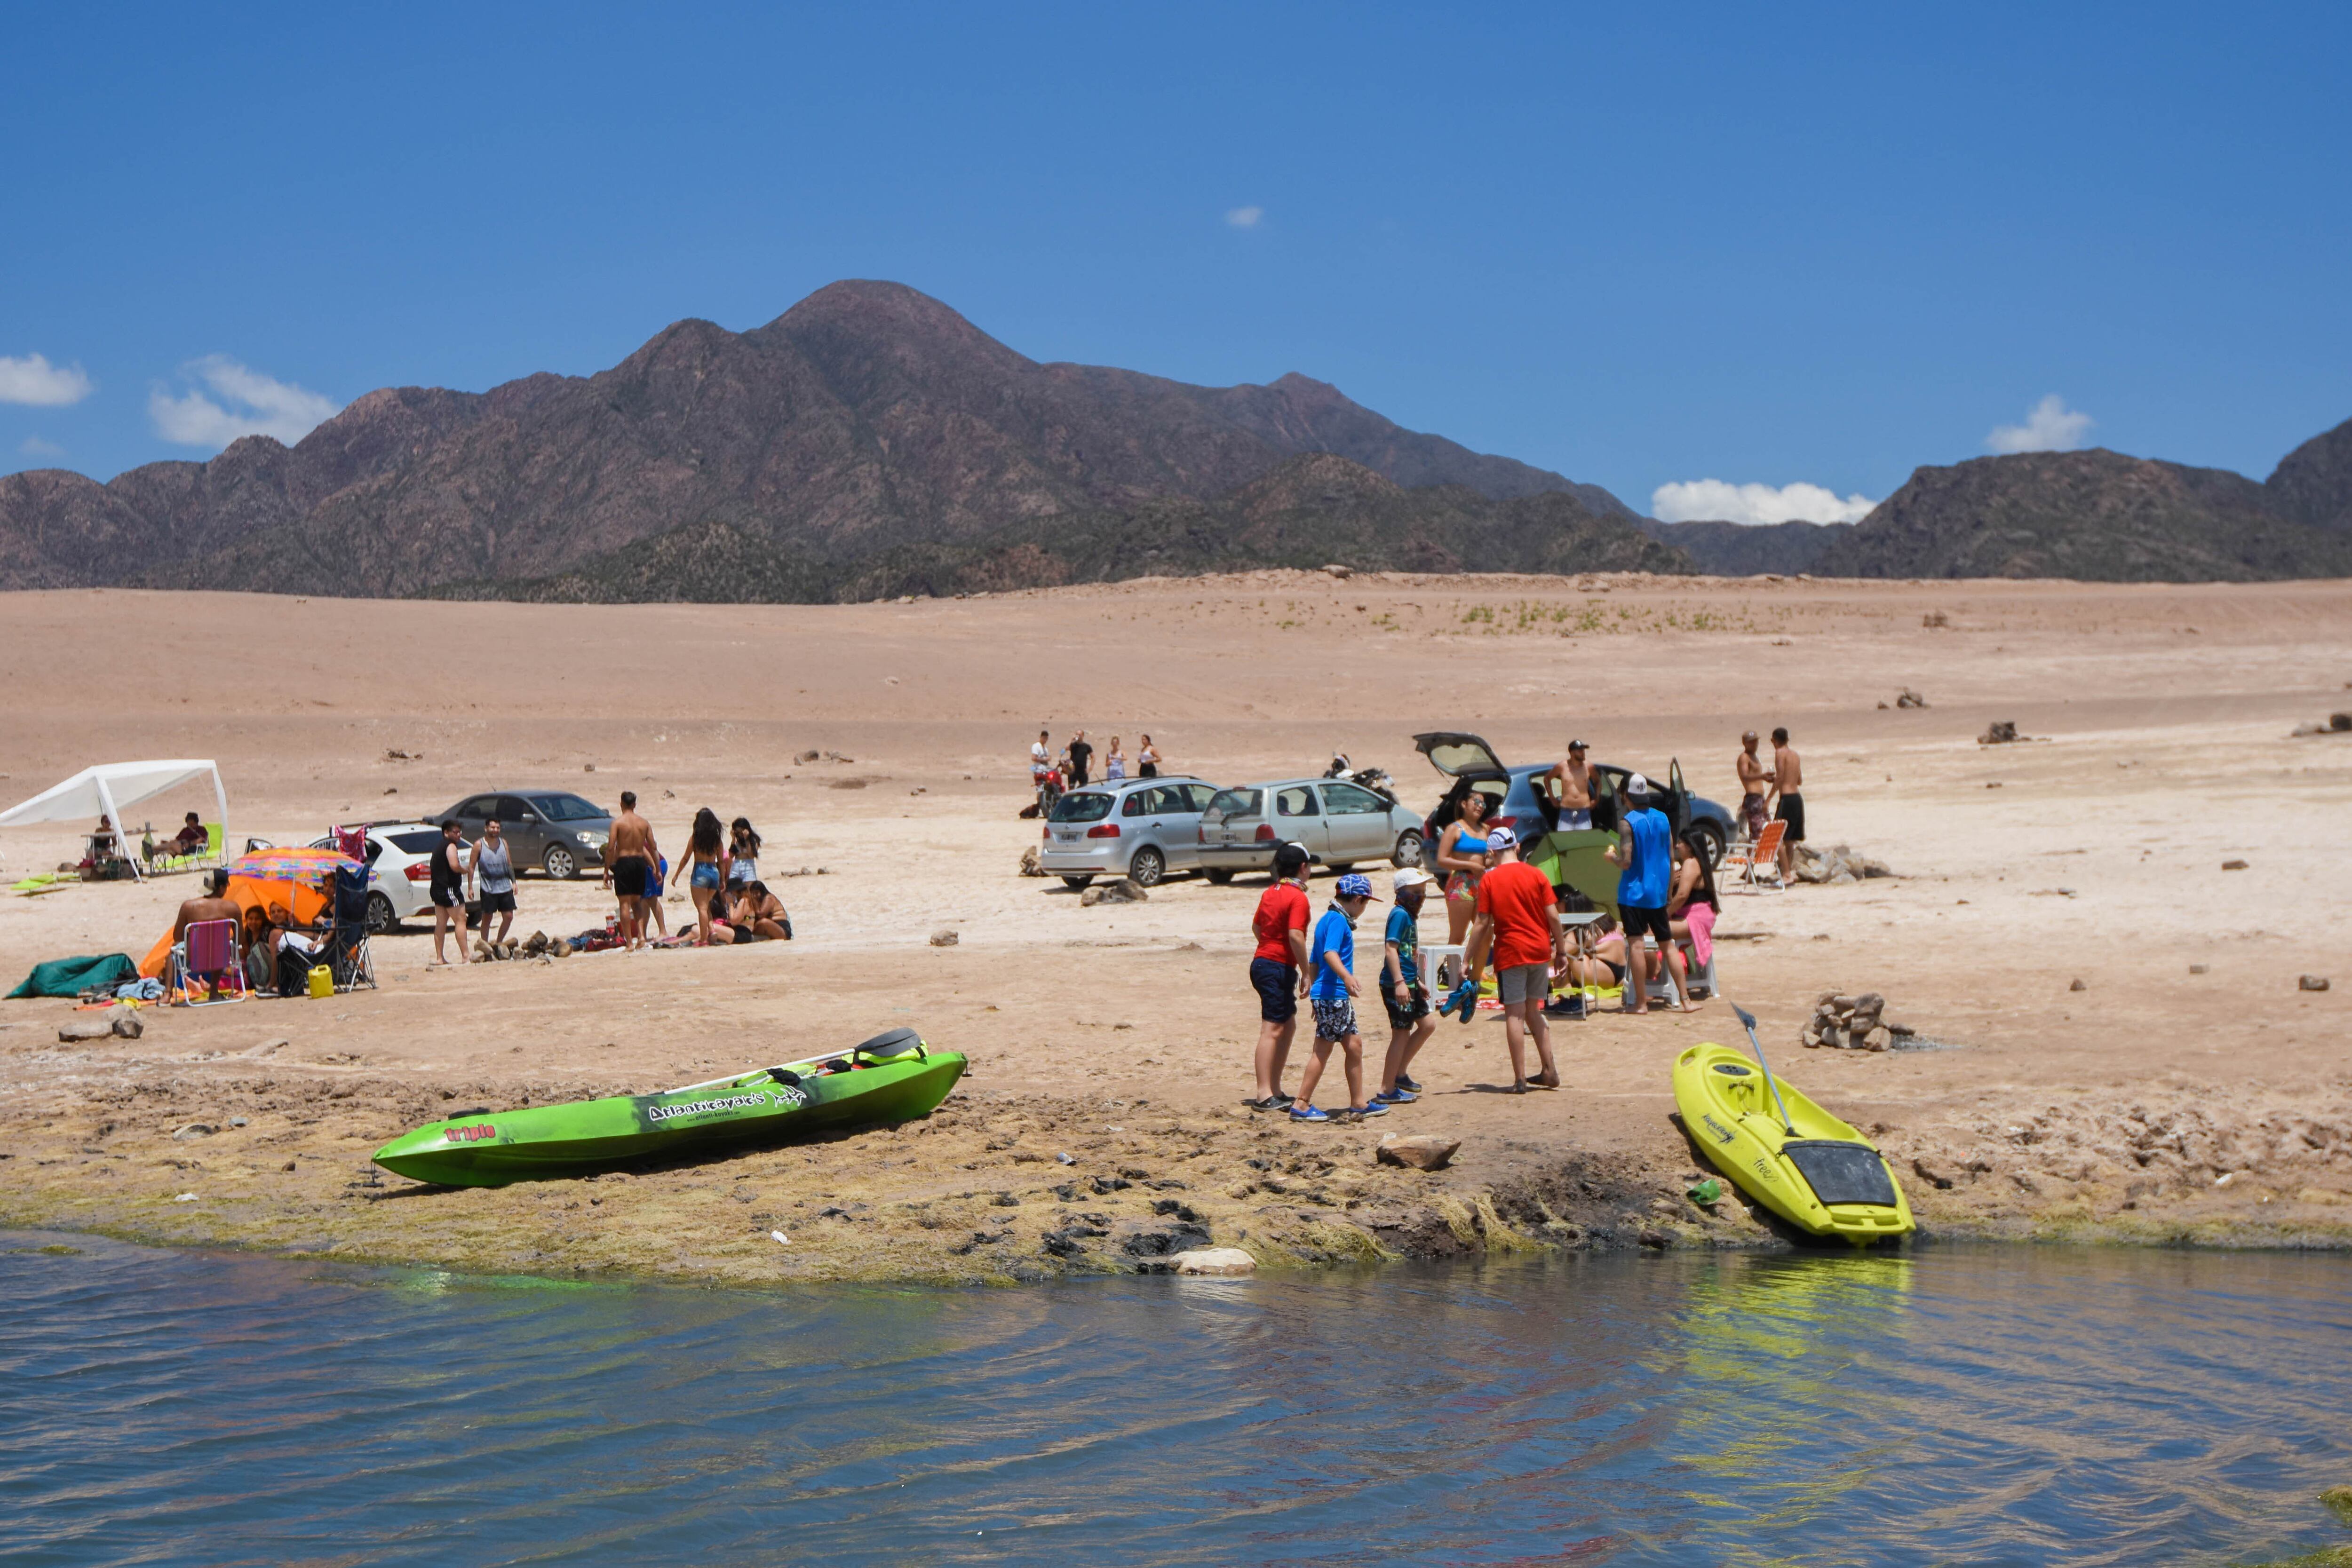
(1341, 824)
(1141, 828)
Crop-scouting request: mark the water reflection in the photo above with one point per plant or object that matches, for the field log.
(1981, 1407)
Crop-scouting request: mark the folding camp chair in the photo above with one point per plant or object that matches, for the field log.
(207, 956)
(349, 958)
(1758, 859)
(209, 855)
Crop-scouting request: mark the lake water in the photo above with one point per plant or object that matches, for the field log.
(1974, 1406)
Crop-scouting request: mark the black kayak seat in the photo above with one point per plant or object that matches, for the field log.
(890, 1042)
(1841, 1172)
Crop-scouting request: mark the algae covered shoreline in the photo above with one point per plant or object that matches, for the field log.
(995, 1187)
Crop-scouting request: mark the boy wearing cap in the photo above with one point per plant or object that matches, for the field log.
(1331, 954)
(1645, 852)
(1518, 924)
(1277, 970)
(1409, 1023)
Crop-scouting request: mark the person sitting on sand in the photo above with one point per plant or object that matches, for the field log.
(758, 916)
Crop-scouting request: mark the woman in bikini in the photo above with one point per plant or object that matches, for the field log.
(706, 859)
(1462, 860)
(1693, 906)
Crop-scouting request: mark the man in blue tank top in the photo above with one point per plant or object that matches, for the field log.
(1646, 852)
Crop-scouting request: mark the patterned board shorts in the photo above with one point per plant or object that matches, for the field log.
(1335, 1018)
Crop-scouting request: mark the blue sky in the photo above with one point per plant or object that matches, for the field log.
(1759, 245)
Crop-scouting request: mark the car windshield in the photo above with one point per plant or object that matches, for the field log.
(1235, 803)
(566, 808)
(1085, 806)
(415, 844)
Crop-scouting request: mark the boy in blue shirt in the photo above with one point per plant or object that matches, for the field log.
(1409, 1023)
(1331, 959)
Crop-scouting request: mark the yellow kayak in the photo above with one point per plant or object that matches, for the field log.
(1827, 1179)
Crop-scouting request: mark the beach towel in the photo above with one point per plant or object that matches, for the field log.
(72, 976)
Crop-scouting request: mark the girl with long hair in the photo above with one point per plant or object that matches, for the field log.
(742, 854)
(1693, 906)
(706, 859)
(1462, 860)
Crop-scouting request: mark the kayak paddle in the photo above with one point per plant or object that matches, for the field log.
(1748, 1020)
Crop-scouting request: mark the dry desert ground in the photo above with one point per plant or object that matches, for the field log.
(2189, 1091)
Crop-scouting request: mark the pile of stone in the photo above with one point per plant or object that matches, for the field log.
(1853, 1023)
(1126, 890)
(1835, 866)
(2002, 733)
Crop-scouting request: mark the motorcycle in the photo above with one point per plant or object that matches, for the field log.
(1376, 780)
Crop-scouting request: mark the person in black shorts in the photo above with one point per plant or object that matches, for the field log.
(1081, 757)
(1280, 926)
(450, 858)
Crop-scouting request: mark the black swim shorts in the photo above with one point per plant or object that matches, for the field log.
(1792, 812)
(1277, 985)
(1411, 1010)
(1652, 921)
(498, 903)
(629, 875)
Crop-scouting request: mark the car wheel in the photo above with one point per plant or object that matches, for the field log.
(560, 863)
(1075, 883)
(1218, 875)
(1148, 867)
(1339, 868)
(1408, 850)
(1708, 838)
(381, 916)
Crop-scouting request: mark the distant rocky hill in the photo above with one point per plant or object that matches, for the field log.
(1749, 549)
(2100, 516)
(868, 419)
(1311, 511)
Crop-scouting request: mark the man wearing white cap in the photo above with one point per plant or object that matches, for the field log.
(1646, 852)
(1402, 988)
(1519, 923)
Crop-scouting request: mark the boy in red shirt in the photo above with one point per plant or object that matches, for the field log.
(1519, 923)
(1277, 970)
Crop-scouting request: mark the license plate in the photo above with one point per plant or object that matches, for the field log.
(1065, 835)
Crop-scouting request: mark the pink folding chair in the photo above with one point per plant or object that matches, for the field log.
(206, 955)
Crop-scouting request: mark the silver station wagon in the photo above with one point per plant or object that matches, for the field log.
(1143, 828)
(1341, 824)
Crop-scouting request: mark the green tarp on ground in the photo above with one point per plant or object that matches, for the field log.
(72, 976)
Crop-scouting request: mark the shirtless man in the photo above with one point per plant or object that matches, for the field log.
(1787, 777)
(1570, 783)
(211, 906)
(630, 857)
(1754, 783)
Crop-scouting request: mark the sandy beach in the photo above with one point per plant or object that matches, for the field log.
(2189, 1091)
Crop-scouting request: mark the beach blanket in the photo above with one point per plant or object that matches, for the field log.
(72, 976)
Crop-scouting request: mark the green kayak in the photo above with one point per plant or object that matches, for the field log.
(891, 1078)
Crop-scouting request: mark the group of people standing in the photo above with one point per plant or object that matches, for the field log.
(1072, 765)
(731, 904)
(1502, 911)
(721, 865)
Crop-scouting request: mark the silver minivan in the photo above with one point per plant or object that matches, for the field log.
(1141, 828)
(1340, 824)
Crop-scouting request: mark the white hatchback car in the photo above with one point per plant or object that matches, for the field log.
(400, 882)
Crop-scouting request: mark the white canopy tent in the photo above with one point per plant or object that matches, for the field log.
(111, 787)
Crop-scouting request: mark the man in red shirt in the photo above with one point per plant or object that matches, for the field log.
(1279, 970)
(1519, 923)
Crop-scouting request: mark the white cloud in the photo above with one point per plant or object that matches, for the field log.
(245, 403)
(33, 379)
(2052, 426)
(34, 446)
(1697, 500)
(1244, 217)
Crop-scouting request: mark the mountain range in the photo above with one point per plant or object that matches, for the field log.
(868, 422)
(871, 442)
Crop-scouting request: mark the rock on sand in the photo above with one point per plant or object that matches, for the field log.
(1422, 1152)
(1214, 1260)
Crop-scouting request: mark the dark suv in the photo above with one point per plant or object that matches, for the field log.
(554, 830)
(1520, 804)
